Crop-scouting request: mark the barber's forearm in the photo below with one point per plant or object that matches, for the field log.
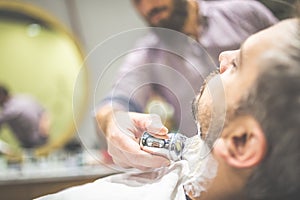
(104, 116)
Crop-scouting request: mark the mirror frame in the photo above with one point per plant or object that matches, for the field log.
(40, 14)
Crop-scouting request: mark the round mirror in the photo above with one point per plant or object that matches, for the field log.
(41, 59)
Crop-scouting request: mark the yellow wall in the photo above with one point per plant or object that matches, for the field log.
(43, 63)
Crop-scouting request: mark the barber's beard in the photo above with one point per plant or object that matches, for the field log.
(177, 18)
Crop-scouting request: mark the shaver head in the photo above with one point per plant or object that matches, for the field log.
(170, 148)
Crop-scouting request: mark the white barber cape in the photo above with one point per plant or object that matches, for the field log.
(170, 183)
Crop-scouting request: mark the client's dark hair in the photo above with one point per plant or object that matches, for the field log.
(275, 102)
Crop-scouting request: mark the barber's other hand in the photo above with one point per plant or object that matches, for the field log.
(123, 132)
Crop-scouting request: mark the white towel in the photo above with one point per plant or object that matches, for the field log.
(191, 175)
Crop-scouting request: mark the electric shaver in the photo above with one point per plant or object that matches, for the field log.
(170, 148)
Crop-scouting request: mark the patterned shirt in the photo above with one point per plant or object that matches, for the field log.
(170, 65)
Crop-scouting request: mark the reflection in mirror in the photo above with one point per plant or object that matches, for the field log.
(40, 59)
(26, 118)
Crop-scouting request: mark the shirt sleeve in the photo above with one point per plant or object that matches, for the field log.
(252, 14)
(265, 16)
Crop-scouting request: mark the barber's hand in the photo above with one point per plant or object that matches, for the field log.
(123, 132)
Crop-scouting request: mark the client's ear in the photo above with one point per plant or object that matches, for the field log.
(243, 143)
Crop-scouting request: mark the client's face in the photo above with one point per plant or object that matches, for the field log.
(238, 72)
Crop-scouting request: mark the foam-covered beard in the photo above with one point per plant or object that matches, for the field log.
(202, 166)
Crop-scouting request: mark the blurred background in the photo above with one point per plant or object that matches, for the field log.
(52, 51)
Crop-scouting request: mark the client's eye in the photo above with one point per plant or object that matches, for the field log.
(234, 63)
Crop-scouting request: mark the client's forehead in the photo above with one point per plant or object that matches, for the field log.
(271, 38)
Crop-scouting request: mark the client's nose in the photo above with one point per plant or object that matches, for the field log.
(226, 60)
